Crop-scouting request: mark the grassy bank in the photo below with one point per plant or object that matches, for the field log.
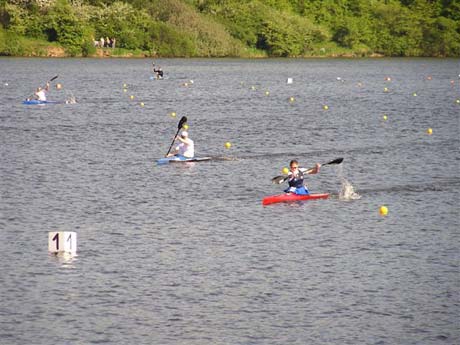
(230, 28)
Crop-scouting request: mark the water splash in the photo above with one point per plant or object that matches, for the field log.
(70, 98)
(347, 192)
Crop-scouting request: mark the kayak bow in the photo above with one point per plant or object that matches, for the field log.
(290, 197)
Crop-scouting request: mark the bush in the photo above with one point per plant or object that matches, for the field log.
(441, 38)
(164, 40)
(63, 26)
(10, 44)
(87, 46)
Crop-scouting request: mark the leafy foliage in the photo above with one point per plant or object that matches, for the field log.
(234, 27)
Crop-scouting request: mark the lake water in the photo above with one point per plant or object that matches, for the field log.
(187, 254)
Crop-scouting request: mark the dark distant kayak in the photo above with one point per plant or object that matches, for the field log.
(36, 101)
(290, 197)
(175, 159)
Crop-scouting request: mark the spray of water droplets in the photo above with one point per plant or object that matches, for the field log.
(347, 191)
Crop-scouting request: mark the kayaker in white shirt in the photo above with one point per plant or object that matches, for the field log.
(40, 94)
(186, 147)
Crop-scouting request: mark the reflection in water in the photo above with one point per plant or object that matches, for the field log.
(64, 259)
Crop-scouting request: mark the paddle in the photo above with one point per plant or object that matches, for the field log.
(49, 81)
(280, 179)
(55, 77)
(179, 126)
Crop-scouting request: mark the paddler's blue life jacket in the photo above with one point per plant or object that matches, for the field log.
(297, 181)
(296, 185)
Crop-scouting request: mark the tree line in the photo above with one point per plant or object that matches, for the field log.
(218, 28)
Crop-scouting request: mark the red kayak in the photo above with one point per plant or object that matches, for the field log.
(290, 197)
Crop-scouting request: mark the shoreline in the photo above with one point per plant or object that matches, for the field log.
(57, 52)
(117, 53)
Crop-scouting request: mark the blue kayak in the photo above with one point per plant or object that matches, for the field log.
(36, 101)
(176, 159)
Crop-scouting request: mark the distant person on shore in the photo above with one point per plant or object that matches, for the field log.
(102, 42)
(113, 43)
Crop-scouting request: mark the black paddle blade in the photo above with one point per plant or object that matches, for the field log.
(335, 161)
(55, 77)
(279, 179)
(181, 122)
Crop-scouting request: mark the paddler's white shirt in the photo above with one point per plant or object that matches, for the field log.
(41, 95)
(186, 149)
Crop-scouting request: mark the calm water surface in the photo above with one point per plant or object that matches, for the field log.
(187, 254)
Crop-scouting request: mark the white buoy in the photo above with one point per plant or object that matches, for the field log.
(289, 81)
(62, 242)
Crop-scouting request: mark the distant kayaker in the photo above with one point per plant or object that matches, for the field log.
(296, 178)
(40, 94)
(186, 147)
(159, 72)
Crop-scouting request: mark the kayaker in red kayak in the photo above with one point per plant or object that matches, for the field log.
(296, 178)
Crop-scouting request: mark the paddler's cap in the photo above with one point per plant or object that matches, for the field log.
(184, 134)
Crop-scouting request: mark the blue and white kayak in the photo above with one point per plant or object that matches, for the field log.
(36, 101)
(176, 159)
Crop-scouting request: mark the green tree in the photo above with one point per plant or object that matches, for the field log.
(442, 38)
(63, 26)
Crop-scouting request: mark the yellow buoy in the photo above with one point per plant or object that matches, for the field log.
(291, 99)
(142, 104)
(325, 107)
(414, 94)
(267, 93)
(132, 97)
(285, 170)
(173, 114)
(385, 89)
(457, 101)
(185, 126)
(253, 87)
(124, 90)
(385, 117)
(228, 145)
(383, 210)
(429, 131)
(125, 86)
